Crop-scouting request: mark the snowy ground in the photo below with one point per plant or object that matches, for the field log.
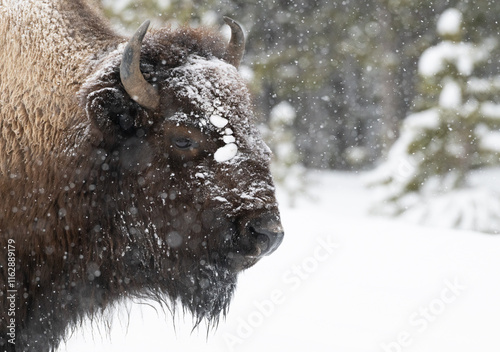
(341, 281)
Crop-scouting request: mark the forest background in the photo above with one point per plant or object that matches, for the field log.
(348, 68)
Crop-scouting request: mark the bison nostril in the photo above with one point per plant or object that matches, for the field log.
(266, 233)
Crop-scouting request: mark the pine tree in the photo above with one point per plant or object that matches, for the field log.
(427, 177)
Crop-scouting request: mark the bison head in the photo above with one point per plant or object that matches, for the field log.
(180, 194)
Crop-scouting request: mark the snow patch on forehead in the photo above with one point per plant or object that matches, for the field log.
(215, 88)
(226, 152)
(218, 121)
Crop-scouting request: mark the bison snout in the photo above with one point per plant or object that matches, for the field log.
(266, 233)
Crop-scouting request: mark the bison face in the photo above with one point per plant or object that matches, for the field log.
(185, 197)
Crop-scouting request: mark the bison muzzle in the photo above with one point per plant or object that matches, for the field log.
(129, 167)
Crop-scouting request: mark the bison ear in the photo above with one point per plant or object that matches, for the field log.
(110, 107)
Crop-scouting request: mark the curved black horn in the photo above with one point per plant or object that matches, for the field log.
(130, 72)
(236, 47)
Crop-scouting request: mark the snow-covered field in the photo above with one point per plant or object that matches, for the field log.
(342, 281)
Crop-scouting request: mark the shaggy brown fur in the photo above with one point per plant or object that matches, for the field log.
(100, 197)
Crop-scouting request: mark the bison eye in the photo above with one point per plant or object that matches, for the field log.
(184, 143)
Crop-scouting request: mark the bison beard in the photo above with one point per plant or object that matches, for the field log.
(208, 292)
(128, 168)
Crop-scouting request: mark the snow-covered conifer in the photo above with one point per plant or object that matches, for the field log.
(428, 176)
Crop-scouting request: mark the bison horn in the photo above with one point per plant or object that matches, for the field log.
(236, 47)
(130, 72)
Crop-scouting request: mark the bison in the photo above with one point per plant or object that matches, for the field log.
(129, 167)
